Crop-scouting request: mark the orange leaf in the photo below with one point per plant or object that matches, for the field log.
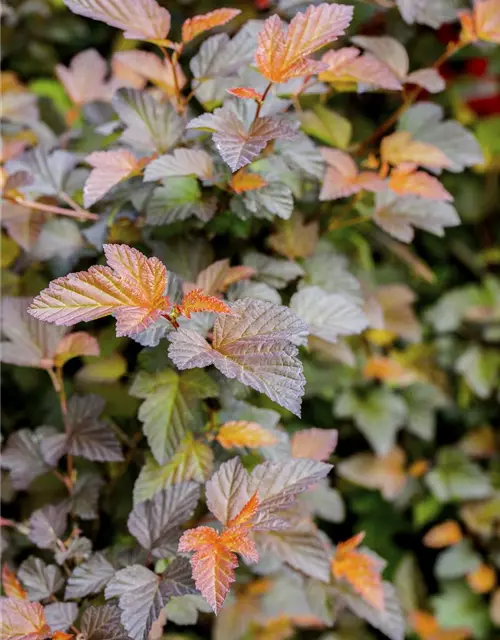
(192, 27)
(196, 301)
(443, 535)
(246, 93)
(388, 369)
(427, 627)
(405, 180)
(11, 585)
(483, 579)
(483, 23)
(61, 635)
(74, 345)
(131, 287)
(215, 560)
(342, 177)
(245, 516)
(217, 277)
(418, 468)
(22, 620)
(360, 570)
(282, 53)
(400, 147)
(244, 181)
(241, 433)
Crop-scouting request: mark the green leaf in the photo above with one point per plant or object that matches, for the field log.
(328, 126)
(171, 407)
(457, 606)
(379, 415)
(480, 368)
(178, 199)
(192, 461)
(456, 478)
(457, 561)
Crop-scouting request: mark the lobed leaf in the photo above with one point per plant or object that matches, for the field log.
(193, 27)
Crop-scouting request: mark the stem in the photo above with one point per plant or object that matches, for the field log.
(335, 225)
(173, 64)
(411, 98)
(48, 208)
(259, 105)
(70, 202)
(58, 382)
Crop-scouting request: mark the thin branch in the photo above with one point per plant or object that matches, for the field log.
(48, 208)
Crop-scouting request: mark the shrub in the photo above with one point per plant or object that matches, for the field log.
(241, 203)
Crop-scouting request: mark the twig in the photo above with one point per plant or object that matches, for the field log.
(412, 97)
(48, 208)
(58, 382)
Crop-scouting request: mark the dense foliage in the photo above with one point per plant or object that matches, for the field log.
(290, 420)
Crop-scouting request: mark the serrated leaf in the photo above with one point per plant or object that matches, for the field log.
(253, 345)
(46, 525)
(48, 171)
(237, 144)
(138, 19)
(102, 623)
(275, 198)
(348, 65)
(108, 169)
(300, 546)
(177, 199)
(89, 577)
(40, 580)
(30, 342)
(425, 123)
(379, 416)
(314, 444)
(182, 162)
(215, 559)
(342, 177)
(151, 124)
(61, 615)
(399, 215)
(11, 585)
(171, 407)
(85, 495)
(275, 272)
(89, 435)
(196, 301)
(360, 570)
(22, 620)
(143, 594)
(405, 180)
(219, 275)
(401, 146)
(283, 53)
(193, 27)
(131, 287)
(240, 433)
(77, 549)
(192, 461)
(328, 315)
(22, 456)
(390, 621)
(156, 523)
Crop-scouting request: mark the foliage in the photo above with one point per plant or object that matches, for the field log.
(283, 379)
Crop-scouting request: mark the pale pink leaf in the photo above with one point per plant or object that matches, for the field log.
(84, 79)
(182, 162)
(347, 65)
(152, 68)
(75, 345)
(388, 50)
(314, 444)
(110, 168)
(429, 79)
(238, 145)
(342, 178)
(219, 275)
(138, 19)
(22, 620)
(253, 345)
